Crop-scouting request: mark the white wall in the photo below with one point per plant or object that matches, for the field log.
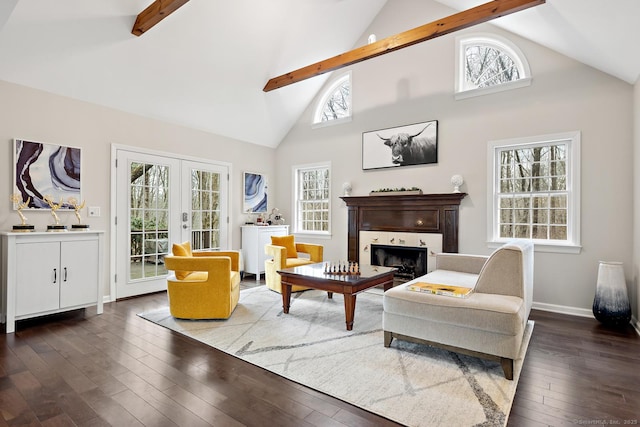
(416, 84)
(31, 114)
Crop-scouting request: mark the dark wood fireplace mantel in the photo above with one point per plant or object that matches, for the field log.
(424, 213)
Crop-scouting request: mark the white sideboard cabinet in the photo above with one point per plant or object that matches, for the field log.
(50, 272)
(254, 238)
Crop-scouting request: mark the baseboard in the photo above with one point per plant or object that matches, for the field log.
(563, 309)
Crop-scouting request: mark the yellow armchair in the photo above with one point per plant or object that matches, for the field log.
(205, 285)
(280, 261)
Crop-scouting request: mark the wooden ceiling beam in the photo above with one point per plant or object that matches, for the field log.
(477, 15)
(154, 13)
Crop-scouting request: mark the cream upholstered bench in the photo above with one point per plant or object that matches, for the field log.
(489, 323)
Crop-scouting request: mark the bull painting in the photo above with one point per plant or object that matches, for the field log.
(403, 146)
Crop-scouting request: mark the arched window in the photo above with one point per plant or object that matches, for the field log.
(488, 63)
(335, 103)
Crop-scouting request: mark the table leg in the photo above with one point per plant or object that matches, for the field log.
(349, 309)
(330, 295)
(286, 297)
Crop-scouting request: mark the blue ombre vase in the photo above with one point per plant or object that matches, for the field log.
(611, 303)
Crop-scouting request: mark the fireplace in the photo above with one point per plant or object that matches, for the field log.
(410, 262)
(423, 214)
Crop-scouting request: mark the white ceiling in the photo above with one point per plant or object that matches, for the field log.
(205, 65)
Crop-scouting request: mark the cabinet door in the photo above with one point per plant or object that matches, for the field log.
(79, 273)
(37, 277)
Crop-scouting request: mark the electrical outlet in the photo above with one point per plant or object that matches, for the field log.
(94, 211)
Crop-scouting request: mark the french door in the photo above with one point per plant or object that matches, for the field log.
(163, 200)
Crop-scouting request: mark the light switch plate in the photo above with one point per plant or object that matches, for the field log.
(94, 211)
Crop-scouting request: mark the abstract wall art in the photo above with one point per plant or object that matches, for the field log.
(255, 192)
(42, 170)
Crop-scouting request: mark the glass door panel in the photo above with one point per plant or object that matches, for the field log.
(208, 213)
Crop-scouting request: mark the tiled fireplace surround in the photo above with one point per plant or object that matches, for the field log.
(408, 221)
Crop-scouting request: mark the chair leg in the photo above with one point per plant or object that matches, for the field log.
(507, 367)
(388, 337)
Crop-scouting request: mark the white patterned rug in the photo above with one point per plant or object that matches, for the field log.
(412, 384)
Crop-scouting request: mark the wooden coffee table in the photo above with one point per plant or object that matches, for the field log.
(313, 276)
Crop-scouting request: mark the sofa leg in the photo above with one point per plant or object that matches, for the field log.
(388, 337)
(507, 367)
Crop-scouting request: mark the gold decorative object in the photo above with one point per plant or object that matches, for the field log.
(54, 207)
(77, 207)
(17, 200)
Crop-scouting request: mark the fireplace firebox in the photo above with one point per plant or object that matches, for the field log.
(410, 262)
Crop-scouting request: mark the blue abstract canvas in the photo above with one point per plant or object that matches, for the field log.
(255, 192)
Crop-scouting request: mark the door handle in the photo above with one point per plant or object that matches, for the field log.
(55, 275)
(65, 274)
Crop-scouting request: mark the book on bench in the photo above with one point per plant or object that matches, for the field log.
(440, 289)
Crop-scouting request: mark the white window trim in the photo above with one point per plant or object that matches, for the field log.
(294, 199)
(498, 42)
(573, 243)
(316, 122)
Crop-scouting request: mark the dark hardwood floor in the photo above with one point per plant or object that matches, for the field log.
(117, 369)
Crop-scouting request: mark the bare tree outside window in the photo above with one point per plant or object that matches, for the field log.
(533, 192)
(488, 66)
(205, 210)
(149, 192)
(334, 105)
(338, 104)
(313, 199)
(489, 63)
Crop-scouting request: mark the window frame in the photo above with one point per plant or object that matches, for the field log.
(326, 94)
(497, 42)
(296, 221)
(494, 148)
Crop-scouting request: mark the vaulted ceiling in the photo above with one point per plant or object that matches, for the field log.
(205, 65)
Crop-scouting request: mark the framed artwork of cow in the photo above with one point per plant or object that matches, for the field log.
(415, 144)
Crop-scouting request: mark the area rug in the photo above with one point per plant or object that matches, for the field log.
(415, 385)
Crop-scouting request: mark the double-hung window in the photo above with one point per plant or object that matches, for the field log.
(534, 190)
(312, 198)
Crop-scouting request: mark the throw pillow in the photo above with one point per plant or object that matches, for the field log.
(182, 249)
(288, 242)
